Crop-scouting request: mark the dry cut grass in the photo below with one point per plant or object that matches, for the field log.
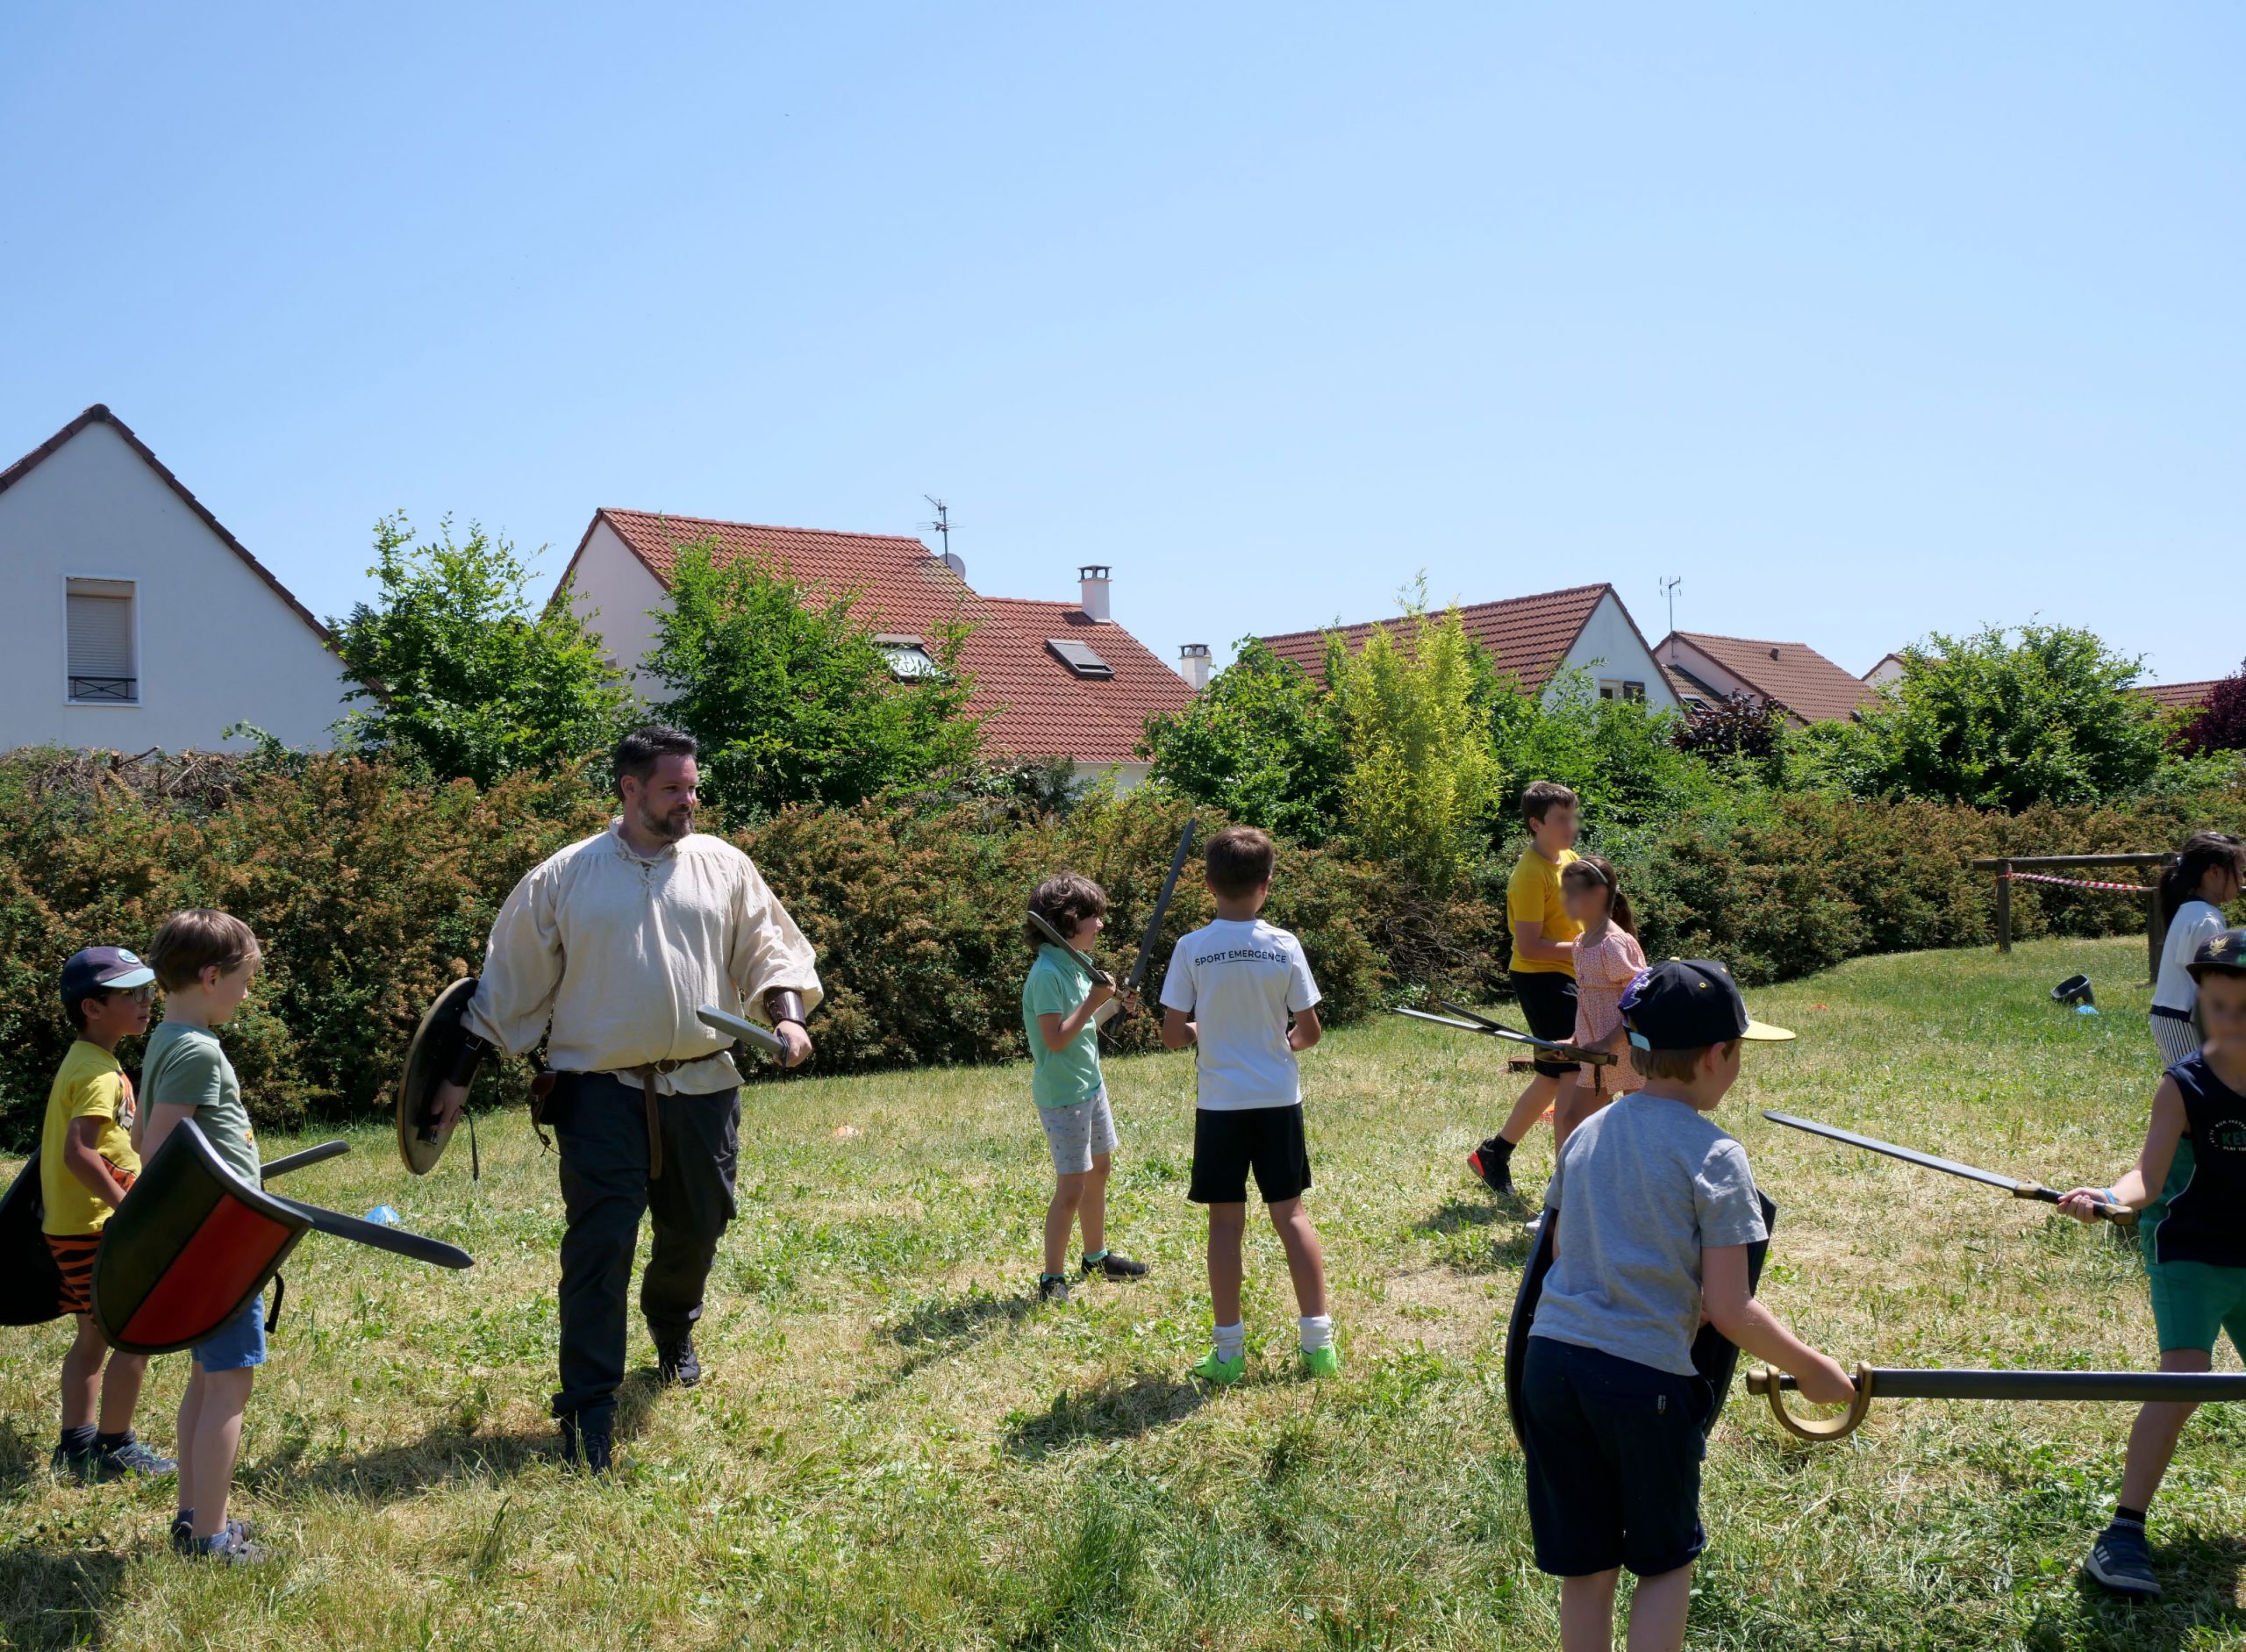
(895, 1448)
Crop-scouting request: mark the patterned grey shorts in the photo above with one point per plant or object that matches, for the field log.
(2178, 1041)
(1078, 1133)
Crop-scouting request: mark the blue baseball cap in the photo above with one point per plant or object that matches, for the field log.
(1689, 1004)
(102, 970)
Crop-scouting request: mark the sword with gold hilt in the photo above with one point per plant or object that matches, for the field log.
(1922, 1383)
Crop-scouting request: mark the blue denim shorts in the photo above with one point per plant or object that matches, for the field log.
(239, 1345)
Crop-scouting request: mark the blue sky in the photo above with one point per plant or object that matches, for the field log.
(1866, 321)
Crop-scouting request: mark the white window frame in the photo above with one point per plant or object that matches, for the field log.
(139, 678)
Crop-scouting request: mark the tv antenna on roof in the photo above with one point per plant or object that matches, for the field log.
(942, 524)
(1668, 589)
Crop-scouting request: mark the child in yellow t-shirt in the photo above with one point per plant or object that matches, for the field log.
(87, 1161)
(1543, 968)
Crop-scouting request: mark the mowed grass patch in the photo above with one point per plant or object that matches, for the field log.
(895, 1446)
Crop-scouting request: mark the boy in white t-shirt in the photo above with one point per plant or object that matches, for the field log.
(1232, 988)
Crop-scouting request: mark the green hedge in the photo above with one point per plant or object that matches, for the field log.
(371, 889)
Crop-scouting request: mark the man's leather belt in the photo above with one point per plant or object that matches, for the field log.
(646, 1076)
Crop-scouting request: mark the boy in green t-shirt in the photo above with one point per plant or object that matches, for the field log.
(1543, 969)
(1060, 1001)
(204, 962)
(87, 1160)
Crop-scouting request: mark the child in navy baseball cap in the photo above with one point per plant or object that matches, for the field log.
(89, 1156)
(1653, 1212)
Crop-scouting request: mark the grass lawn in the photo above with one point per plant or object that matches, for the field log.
(894, 1447)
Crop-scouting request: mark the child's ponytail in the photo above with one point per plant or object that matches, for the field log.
(2203, 852)
(1596, 871)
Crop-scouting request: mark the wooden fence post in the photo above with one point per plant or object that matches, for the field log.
(2004, 907)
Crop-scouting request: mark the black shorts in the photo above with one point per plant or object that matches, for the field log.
(1613, 1451)
(1228, 1145)
(1547, 1003)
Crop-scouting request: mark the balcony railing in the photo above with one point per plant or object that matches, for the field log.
(108, 690)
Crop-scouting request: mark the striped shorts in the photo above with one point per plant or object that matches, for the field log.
(74, 1256)
(2178, 1040)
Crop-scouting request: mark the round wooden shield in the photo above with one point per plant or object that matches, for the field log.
(436, 1046)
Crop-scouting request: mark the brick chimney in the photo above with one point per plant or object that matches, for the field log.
(1193, 665)
(1091, 582)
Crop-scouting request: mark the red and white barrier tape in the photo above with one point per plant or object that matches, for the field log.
(2075, 883)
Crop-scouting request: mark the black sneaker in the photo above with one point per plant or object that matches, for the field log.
(183, 1534)
(82, 1466)
(676, 1363)
(1112, 1266)
(133, 1457)
(588, 1443)
(2121, 1559)
(1493, 1172)
(1052, 1287)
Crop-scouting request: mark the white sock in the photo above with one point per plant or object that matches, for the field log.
(1316, 1331)
(1231, 1339)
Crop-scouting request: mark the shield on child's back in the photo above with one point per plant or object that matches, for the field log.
(30, 1280)
(1714, 1355)
(429, 1059)
(191, 1246)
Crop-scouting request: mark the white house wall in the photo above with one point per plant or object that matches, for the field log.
(217, 645)
(1609, 648)
(1703, 668)
(614, 593)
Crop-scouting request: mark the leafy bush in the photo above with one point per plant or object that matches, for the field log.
(1262, 742)
(1421, 776)
(1736, 725)
(2003, 724)
(791, 697)
(2220, 725)
(1618, 756)
(465, 671)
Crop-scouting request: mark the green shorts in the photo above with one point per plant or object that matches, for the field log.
(2193, 1300)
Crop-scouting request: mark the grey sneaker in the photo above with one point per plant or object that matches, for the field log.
(2121, 1559)
(183, 1533)
(134, 1457)
(228, 1548)
(1052, 1287)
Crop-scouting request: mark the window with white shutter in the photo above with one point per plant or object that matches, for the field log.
(103, 670)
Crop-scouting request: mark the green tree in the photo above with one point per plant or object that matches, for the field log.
(1618, 756)
(1422, 774)
(2003, 724)
(790, 696)
(465, 673)
(1261, 743)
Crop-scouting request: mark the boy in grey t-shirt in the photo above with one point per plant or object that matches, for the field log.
(1653, 1209)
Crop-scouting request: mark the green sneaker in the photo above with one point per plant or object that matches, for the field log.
(1223, 1373)
(1322, 1362)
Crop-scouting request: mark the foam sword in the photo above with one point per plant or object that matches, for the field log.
(2120, 1214)
(1471, 1021)
(1920, 1382)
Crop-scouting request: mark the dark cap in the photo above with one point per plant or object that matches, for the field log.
(100, 969)
(2224, 954)
(1689, 1004)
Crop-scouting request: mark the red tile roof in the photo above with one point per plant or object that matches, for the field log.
(1528, 636)
(1793, 674)
(2177, 696)
(1035, 705)
(100, 414)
